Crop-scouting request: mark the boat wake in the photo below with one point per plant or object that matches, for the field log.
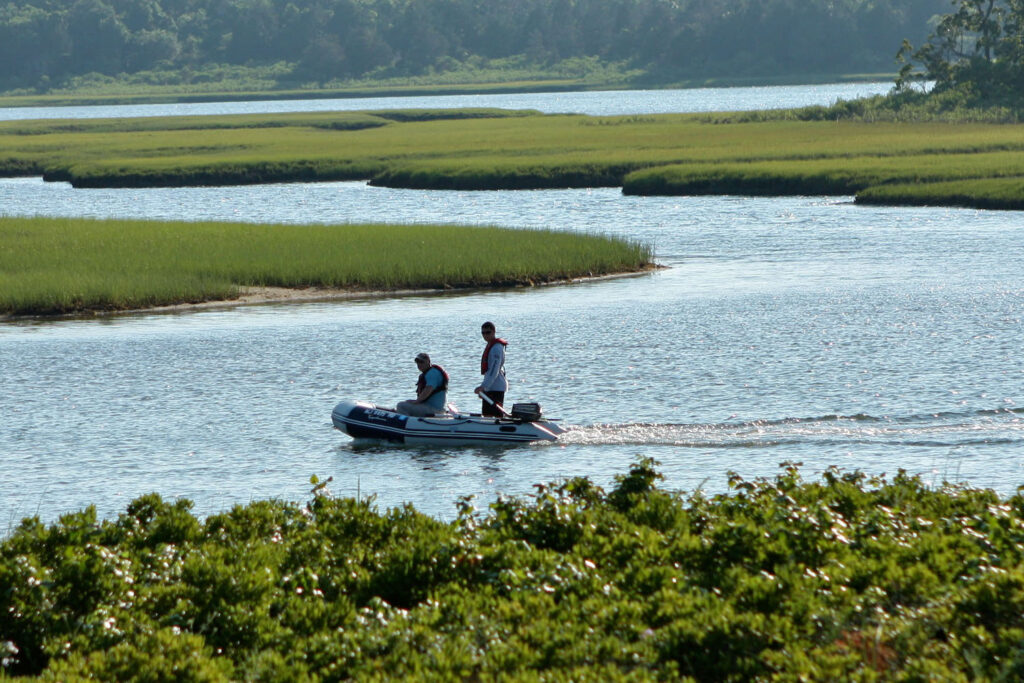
(948, 429)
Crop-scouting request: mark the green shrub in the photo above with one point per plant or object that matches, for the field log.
(164, 655)
(844, 578)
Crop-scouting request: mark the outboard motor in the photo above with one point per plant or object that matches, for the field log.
(527, 412)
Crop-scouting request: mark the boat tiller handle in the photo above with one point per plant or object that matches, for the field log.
(491, 401)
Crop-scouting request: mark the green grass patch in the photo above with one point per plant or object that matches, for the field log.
(186, 94)
(530, 172)
(233, 82)
(50, 265)
(844, 578)
(988, 193)
(493, 149)
(823, 176)
(355, 120)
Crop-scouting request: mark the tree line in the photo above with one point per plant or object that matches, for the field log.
(975, 56)
(43, 43)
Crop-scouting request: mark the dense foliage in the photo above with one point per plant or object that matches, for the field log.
(47, 43)
(975, 56)
(846, 578)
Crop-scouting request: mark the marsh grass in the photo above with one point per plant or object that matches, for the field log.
(824, 176)
(197, 93)
(222, 82)
(492, 149)
(988, 193)
(50, 265)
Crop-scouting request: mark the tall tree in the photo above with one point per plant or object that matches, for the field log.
(978, 49)
(99, 36)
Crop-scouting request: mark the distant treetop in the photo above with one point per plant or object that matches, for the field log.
(46, 44)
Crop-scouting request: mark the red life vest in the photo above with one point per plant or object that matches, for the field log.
(422, 381)
(483, 360)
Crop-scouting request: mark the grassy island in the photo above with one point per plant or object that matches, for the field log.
(757, 153)
(846, 578)
(56, 265)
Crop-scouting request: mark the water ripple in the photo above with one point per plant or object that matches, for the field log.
(946, 430)
(808, 329)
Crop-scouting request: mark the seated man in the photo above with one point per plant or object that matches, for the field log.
(431, 390)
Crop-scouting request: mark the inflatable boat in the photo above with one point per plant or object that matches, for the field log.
(367, 422)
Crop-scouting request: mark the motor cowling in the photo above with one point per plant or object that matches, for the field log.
(527, 412)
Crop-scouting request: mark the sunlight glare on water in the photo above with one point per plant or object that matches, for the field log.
(793, 329)
(803, 329)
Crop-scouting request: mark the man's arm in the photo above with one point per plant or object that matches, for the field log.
(428, 388)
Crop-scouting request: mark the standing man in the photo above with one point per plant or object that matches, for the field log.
(492, 367)
(431, 390)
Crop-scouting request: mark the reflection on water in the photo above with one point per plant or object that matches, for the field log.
(794, 329)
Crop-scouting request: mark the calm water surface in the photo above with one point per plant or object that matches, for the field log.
(794, 329)
(805, 329)
(607, 103)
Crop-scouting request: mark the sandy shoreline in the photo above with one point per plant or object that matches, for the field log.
(250, 296)
(255, 296)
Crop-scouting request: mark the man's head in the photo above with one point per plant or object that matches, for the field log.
(487, 330)
(422, 360)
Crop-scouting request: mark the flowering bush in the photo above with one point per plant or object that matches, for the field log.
(848, 577)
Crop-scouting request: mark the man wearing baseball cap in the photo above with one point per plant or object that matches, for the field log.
(431, 390)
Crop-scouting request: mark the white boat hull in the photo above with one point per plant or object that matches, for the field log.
(366, 422)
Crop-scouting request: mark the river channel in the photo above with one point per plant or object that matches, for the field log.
(803, 329)
(597, 103)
